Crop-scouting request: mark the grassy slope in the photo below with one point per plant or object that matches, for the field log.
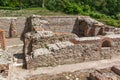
(12, 12)
(27, 12)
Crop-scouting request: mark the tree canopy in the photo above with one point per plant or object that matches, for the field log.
(107, 11)
(107, 7)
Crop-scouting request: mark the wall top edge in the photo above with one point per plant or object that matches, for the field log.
(44, 17)
(11, 17)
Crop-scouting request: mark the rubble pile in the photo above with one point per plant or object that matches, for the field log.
(5, 60)
(88, 74)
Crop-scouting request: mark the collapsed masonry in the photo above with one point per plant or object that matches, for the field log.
(106, 74)
(44, 48)
(111, 73)
(86, 26)
(5, 61)
(4, 57)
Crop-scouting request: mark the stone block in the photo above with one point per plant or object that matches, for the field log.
(100, 76)
(41, 51)
(116, 70)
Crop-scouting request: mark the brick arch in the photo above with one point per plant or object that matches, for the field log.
(106, 42)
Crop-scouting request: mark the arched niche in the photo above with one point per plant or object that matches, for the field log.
(106, 43)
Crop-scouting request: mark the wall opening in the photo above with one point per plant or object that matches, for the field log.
(106, 44)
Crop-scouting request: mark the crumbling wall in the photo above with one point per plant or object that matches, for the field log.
(86, 26)
(43, 47)
(5, 60)
(113, 49)
(60, 23)
(66, 55)
(74, 50)
(6, 21)
(56, 23)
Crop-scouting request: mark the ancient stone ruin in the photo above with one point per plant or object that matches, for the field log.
(89, 41)
(54, 48)
(2, 39)
(86, 26)
(13, 30)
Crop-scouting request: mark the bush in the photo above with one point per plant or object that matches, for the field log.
(72, 8)
(96, 15)
(86, 8)
(112, 22)
(118, 16)
(56, 5)
(64, 6)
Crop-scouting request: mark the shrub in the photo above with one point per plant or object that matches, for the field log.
(118, 16)
(56, 5)
(96, 15)
(112, 22)
(64, 6)
(86, 8)
(72, 8)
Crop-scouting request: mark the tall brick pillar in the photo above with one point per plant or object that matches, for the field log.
(102, 30)
(2, 39)
(87, 30)
(13, 29)
(94, 30)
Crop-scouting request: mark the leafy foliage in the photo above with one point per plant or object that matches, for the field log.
(106, 10)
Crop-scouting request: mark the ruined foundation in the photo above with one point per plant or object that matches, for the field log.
(59, 48)
(45, 48)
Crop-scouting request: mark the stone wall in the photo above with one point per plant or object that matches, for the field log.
(86, 26)
(79, 50)
(56, 23)
(5, 24)
(61, 23)
(71, 54)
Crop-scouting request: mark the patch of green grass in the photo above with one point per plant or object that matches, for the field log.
(9, 8)
(27, 12)
(35, 8)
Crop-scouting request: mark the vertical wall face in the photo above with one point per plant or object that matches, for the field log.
(116, 47)
(5, 24)
(85, 50)
(60, 24)
(69, 55)
(59, 49)
(2, 39)
(110, 48)
(56, 23)
(86, 26)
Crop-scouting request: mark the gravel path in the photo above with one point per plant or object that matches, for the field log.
(21, 74)
(13, 41)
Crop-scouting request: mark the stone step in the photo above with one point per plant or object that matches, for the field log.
(116, 70)
(98, 75)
